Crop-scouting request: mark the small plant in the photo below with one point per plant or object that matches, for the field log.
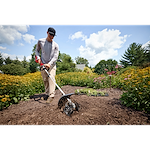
(90, 92)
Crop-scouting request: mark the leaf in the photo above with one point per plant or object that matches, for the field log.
(15, 100)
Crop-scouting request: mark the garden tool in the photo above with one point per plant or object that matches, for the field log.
(64, 102)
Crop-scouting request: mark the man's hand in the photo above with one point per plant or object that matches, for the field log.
(39, 61)
(47, 65)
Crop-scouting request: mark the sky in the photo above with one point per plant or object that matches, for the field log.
(92, 42)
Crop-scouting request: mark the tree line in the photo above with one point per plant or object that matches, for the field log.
(135, 55)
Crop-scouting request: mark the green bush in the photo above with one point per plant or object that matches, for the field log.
(136, 83)
(13, 69)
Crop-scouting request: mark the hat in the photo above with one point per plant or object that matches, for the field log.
(52, 31)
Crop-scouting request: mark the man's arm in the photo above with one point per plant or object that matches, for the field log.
(37, 52)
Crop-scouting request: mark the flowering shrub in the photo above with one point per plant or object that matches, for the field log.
(137, 84)
(87, 70)
(16, 88)
(85, 79)
(76, 79)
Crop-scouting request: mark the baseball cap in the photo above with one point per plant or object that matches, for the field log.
(52, 31)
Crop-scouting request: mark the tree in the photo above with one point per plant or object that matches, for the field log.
(103, 65)
(16, 62)
(1, 60)
(25, 64)
(8, 61)
(13, 69)
(147, 53)
(33, 66)
(67, 64)
(134, 56)
(80, 60)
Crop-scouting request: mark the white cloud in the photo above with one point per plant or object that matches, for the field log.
(13, 56)
(77, 35)
(102, 46)
(146, 44)
(28, 38)
(10, 33)
(28, 57)
(20, 44)
(3, 48)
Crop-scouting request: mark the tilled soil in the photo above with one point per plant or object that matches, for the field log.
(93, 111)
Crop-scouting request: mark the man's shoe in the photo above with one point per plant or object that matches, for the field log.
(45, 97)
(50, 99)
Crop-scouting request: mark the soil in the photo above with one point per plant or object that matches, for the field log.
(101, 110)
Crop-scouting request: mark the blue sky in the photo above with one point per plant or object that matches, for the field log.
(92, 42)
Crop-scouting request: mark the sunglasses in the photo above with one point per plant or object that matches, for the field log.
(51, 34)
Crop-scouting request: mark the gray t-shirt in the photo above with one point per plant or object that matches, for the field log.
(49, 51)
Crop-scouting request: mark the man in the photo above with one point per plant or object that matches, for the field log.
(49, 56)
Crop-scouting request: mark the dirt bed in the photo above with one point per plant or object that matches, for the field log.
(93, 111)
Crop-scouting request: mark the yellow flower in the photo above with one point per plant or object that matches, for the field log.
(4, 100)
(145, 86)
(7, 96)
(140, 92)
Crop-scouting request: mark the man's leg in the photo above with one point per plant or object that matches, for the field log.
(52, 85)
(45, 80)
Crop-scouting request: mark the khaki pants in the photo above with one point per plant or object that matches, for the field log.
(48, 83)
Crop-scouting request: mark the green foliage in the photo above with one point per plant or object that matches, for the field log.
(90, 92)
(1, 60)
(102, 65)
(135, 55)
(136, 83)
(33, 66)
(8, 61)
(67, 64)
(17, 88)
(81, 60)
(125, 69)
(85, 79)
(13, 69)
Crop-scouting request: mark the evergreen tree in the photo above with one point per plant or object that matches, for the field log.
(134, 56)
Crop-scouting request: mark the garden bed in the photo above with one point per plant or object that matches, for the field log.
(106, 110)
